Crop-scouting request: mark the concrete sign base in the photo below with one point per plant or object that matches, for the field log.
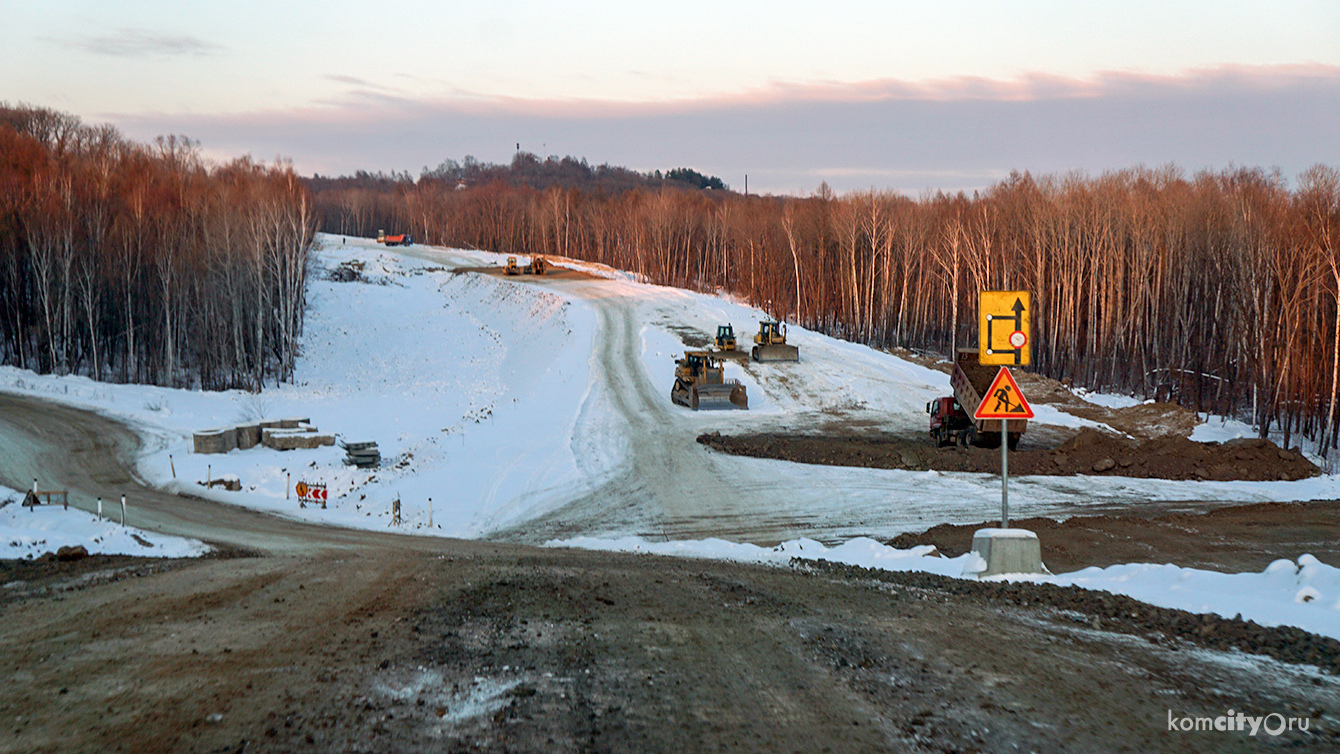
(997, 551)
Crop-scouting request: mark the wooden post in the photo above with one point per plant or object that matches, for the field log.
(173, 465)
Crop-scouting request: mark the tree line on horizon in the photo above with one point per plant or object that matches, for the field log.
(141, 263)
(1217, 291)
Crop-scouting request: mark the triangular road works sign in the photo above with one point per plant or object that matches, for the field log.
(1004, 400)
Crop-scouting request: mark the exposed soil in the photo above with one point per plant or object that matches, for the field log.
(338, 640)
(1089, 452)
(519, 649)
(1235, 539)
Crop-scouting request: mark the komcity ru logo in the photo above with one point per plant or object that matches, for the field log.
(1273, 724)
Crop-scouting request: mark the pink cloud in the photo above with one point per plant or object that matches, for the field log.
(952, 133)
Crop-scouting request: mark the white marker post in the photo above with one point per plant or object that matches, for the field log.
(99, 509)
(123, 509)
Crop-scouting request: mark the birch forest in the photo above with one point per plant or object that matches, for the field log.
(1217, 291)
(142, 263)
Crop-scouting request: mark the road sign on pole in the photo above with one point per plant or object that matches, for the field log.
(1003, 331)
(1004, 400)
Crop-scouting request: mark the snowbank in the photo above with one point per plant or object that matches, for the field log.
(1304, 594)
(27, 533)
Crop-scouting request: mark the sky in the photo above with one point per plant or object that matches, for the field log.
(896, 95)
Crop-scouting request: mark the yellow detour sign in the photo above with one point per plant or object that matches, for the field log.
(301, 489)
(1003, 400)
(1002, 327)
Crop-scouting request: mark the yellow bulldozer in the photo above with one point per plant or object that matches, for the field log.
(699, 383)
(770, 343)
(512, 268)
(537, 265)
(725, 338)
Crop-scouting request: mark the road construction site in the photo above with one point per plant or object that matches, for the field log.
(301, 635)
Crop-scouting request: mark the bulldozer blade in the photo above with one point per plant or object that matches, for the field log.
(705, 397)
(776, 353)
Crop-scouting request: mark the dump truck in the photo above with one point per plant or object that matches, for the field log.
(970, 380)
(512, 268)
(399, 239)
(950, 424)
(699, 383)
(770, 343)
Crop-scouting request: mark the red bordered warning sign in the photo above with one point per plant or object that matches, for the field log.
(1004, 399)
(310, 493)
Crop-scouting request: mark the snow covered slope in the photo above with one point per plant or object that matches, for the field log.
(532, 409)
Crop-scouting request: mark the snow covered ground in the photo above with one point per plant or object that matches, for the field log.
(27, 533)
(1305, 593)
(538, 410)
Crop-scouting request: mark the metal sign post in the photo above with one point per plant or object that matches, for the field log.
(1004, 476)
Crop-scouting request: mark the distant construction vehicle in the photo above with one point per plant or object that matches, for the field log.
(770, 343)
(400, 239)
(725, 338)
(970, 380)
(512, 268)
(699, 383)
(537, 265)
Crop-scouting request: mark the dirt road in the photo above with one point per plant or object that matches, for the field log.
(353, 641)
(322, 639)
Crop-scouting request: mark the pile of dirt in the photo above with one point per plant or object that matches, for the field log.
(1169, 457)
(1114, 612)
(1089, 452)
(1231, 539)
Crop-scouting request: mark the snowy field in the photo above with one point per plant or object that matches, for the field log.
(27, 533)
(496, 408)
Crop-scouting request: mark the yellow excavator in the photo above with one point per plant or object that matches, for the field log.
(699, 383)
(770, 343)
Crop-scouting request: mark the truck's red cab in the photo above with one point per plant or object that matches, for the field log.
(949, 422)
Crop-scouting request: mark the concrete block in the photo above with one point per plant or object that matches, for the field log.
(294, 439)
(997, 551)
(215, 440)
(248, 436)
